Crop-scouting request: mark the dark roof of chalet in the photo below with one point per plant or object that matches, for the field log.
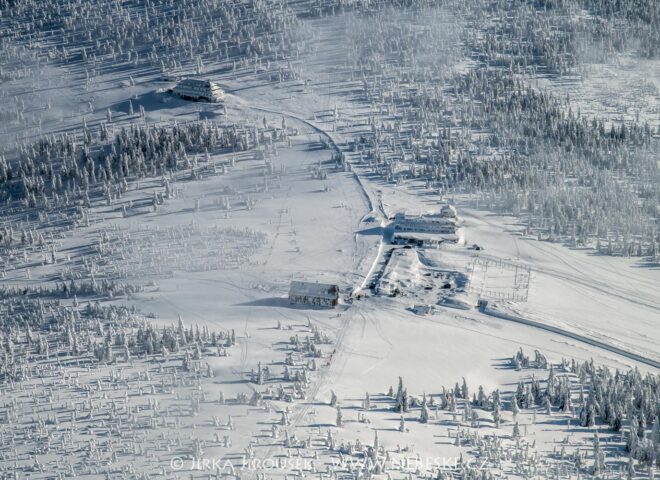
(314, 289)
(194, 82)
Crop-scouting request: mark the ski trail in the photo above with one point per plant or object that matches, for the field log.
(575, 336)
(333, 143)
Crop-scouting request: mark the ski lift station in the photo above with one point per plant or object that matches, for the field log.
(314, 294)
(199, 90)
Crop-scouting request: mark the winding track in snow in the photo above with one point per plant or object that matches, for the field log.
(370, 201)
(333, 143)
(575, 336)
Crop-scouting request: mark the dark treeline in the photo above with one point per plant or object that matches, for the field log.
(140, 36)
(60, 165)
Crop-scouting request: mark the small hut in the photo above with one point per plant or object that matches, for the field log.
(314, 294)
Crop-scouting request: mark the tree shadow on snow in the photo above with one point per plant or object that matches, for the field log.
(322, 425)
(647, 264)
(502, 363)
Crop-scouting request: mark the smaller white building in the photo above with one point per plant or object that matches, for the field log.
(199, 90)
(314, 294)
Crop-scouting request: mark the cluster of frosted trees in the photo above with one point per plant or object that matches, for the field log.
(293, 381)
(105, 35)
(627, 402)
(79, 367)
(588, 395)
(552, 34)
(563, 171)
(449, 399)
(33, 330)
(555, 36)
(104, 288)
(58, 167)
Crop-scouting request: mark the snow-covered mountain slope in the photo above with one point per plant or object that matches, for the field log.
(148, 242)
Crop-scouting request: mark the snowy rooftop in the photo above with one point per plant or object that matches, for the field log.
(196, 83)
(314, 289)
(193, 87)
(446, 211)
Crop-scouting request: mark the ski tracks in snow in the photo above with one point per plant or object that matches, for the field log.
(575, 336)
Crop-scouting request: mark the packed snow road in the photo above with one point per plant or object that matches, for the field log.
(575, 336)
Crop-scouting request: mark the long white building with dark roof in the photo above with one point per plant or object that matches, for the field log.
(315, 294)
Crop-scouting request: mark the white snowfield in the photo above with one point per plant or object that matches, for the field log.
(159, 263)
